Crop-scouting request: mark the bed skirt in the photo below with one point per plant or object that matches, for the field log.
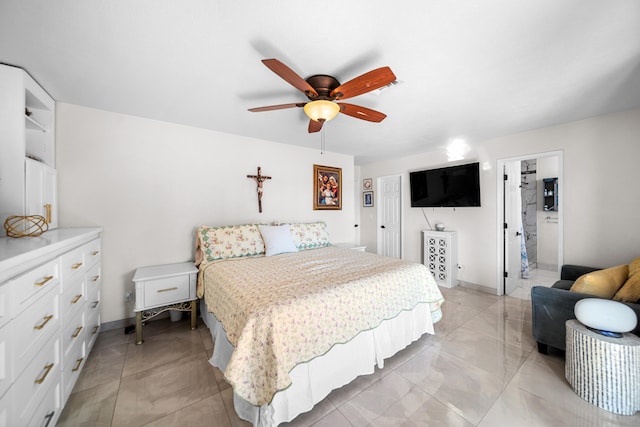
(312, 381)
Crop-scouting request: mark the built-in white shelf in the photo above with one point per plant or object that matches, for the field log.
(34, 124)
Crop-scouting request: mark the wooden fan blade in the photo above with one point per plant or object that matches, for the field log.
(277, 107)
(360, 112)
(290, 76)
(367, 82)
(315, 126)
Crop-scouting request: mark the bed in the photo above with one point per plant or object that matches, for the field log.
(294, 317)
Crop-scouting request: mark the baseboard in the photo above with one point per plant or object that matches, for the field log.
(477, 287)
(547, 267)
(117, 324)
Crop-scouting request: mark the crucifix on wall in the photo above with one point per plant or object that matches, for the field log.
(259, 178)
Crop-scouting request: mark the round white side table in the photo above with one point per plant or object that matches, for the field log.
(602, 370)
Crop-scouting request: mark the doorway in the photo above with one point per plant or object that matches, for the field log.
(356, 217)
(530, 229)
(389, 214)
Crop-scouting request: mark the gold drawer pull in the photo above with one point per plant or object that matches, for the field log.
(94, 253)
(95, 304)
(76, 266)
(95, 329)
(95, 278)
(168, 289)
(43, 281)
(47, 209)
(76, 299)
(47, 369)
(78, 363)
(77, 332)
(42, 325)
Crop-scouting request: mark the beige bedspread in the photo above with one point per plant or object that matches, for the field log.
(283, 310)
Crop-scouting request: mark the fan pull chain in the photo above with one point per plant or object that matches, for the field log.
(322, 142)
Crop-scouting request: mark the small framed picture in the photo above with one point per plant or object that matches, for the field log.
(367, 199)
(327, 185)
(367, 184)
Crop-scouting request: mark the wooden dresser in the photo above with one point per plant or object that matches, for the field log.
(49, 320)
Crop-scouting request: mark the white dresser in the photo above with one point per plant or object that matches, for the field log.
(49, 320)
(441, 256)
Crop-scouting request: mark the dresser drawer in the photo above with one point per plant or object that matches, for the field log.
(35, 282)
(6, 409)
(92, 253)
(73, 333)
(94, 283)
(33, 328)
(6, 344)
(5, 303)
(72, 263)
(93, 329)
(93, 300)
(31, 387)
(72, 365)
(49, 409)
(164, 291)
(73, 299)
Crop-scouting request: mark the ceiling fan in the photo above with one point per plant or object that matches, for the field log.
(323, 90)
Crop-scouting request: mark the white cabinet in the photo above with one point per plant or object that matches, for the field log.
(49, 292)
(27, 132)
(41, 191)
(441, 256)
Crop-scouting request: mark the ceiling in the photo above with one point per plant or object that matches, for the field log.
(469, 69)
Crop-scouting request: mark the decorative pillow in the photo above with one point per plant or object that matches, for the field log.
(310, 235)
(634, 267)
(602, 283)
(213, 243)
(277, 239)
(630, 291)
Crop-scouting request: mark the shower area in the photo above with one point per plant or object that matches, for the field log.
(529, 196)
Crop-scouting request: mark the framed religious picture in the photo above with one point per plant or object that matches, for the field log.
(327, 188)
(367, 184)
(367, 199)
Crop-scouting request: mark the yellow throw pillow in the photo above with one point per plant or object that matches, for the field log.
(630, 291)
(634, 267)
(602, 283)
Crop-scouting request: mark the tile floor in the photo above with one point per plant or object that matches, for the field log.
(536, 277)
(480, 369)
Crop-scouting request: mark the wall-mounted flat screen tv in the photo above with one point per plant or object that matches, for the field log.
(453, 186)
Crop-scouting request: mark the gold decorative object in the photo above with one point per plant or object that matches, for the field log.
(25, 226)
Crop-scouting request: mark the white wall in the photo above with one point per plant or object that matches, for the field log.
(151, 183)
(600, 203)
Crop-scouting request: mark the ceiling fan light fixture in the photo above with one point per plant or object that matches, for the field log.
(321, 110)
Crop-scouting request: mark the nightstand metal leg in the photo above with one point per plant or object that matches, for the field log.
(193, 314)
(139, 328)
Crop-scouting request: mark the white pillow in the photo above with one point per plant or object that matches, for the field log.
(277, 239)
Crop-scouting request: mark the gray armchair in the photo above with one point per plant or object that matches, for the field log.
(552, 307)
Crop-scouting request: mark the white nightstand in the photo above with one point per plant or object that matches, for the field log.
(164, 287)
(353, 246)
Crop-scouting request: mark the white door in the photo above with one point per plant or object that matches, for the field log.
(389, 199)
(513, 219)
